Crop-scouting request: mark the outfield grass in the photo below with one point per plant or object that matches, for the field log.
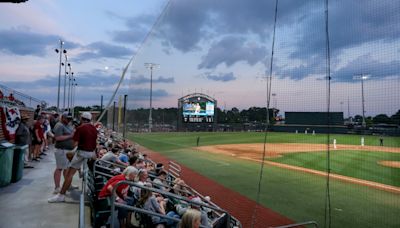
(299, 196)
(359, 164)
(182, 140)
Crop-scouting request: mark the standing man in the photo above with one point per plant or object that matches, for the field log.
(38, 110)
(63, 133)
(85, 138)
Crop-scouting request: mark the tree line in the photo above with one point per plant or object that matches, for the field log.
(234, 115)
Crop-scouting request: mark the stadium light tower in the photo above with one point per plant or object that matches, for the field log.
(61, 50)
(151, 66)
(362, 77)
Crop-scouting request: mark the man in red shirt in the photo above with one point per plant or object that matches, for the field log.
(85, 138)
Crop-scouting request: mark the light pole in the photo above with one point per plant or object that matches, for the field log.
(362, 77)
(151, 66)
(65, 76)
(73, 98)
(59, 72)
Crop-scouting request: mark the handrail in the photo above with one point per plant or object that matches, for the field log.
(299, 224)
(22, 97)
(130, 183)
(82, 199)
(189, 190)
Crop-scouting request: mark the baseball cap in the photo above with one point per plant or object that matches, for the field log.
(67, 115)
(86, 115)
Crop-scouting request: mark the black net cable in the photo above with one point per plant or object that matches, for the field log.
(327, 214)
(141, 46)
(269, 82)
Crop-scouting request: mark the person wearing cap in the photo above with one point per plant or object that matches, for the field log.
(63, 133)
(85, 139)
(23, 137)
(38, 136)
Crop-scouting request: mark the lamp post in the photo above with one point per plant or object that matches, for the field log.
(65, 77)
(72, 87)
(362, 77)
(59, 72)
(73, 98)
(151, 66)
(70, 78)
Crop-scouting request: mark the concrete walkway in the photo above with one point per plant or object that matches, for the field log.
(24, 204)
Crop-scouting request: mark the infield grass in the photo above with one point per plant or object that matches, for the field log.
(299, 196)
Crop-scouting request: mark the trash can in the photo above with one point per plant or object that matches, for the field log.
(18, 163)
(6, 162)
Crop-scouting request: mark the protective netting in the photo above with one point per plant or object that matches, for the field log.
(346, 125)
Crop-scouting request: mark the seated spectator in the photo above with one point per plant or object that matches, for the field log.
(159, 167)
(122, 191)
(191, 219)
(140, 164)
(142, 180)
(155, 204)
(133, 160)
(112, 156)
(181, 210)
(179, 188)
(150, 167)
(161, 181)
(123, 156)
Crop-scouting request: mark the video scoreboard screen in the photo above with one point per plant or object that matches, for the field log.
(198, 110)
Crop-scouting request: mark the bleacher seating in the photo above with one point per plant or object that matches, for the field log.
(177, 192)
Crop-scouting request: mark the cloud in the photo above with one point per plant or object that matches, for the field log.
(144, 94)
(366, 64)
(143, 80)
(22, 41)
(362, 64)
(137, 28)
(190, 22)
(103, 50)
(350, 24)
(311, 67)
(222, 77)
(90, 86)
(230, 50)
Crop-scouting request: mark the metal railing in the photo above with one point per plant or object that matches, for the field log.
(314, 223)
(82, 198)
(21, 98)
(99, 169)
(174, 169)
(137, 209)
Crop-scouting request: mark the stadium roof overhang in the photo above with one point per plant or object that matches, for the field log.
(192, 95)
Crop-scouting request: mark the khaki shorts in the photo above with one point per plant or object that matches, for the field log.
(80, 157)
(61, 158)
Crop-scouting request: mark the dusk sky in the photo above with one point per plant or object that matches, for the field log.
(221, 48)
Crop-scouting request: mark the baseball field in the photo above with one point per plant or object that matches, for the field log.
(364, 185)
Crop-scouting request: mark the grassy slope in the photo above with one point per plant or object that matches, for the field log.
(296, 195)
